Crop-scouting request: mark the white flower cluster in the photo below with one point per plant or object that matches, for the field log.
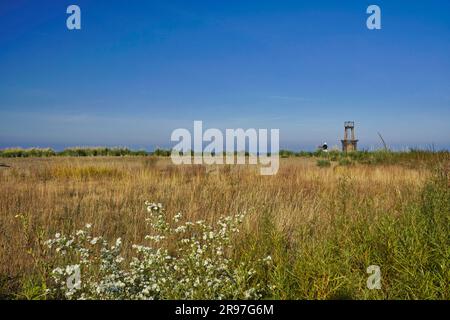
(187, 260)
(99, 266)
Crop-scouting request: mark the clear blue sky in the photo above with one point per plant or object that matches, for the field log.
(139, 69)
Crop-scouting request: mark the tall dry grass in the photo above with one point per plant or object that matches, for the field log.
(303, 207)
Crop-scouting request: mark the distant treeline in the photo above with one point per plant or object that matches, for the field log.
(369, 157)
(78, 152)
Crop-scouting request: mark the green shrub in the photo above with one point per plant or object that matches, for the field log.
(345, 162)
(286, 153)
(162, 153)
(323, 163)
(23, 153)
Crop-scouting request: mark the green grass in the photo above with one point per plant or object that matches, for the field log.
(412, 250)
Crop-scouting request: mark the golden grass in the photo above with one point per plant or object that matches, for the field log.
(61, 194)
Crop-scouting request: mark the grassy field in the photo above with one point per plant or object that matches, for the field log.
(322, 221)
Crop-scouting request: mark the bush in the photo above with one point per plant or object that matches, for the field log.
(183, 261)
(345, 162)
(286, 153)
(70, 152)
(162, 153)
(23, 153)
(323, 163)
